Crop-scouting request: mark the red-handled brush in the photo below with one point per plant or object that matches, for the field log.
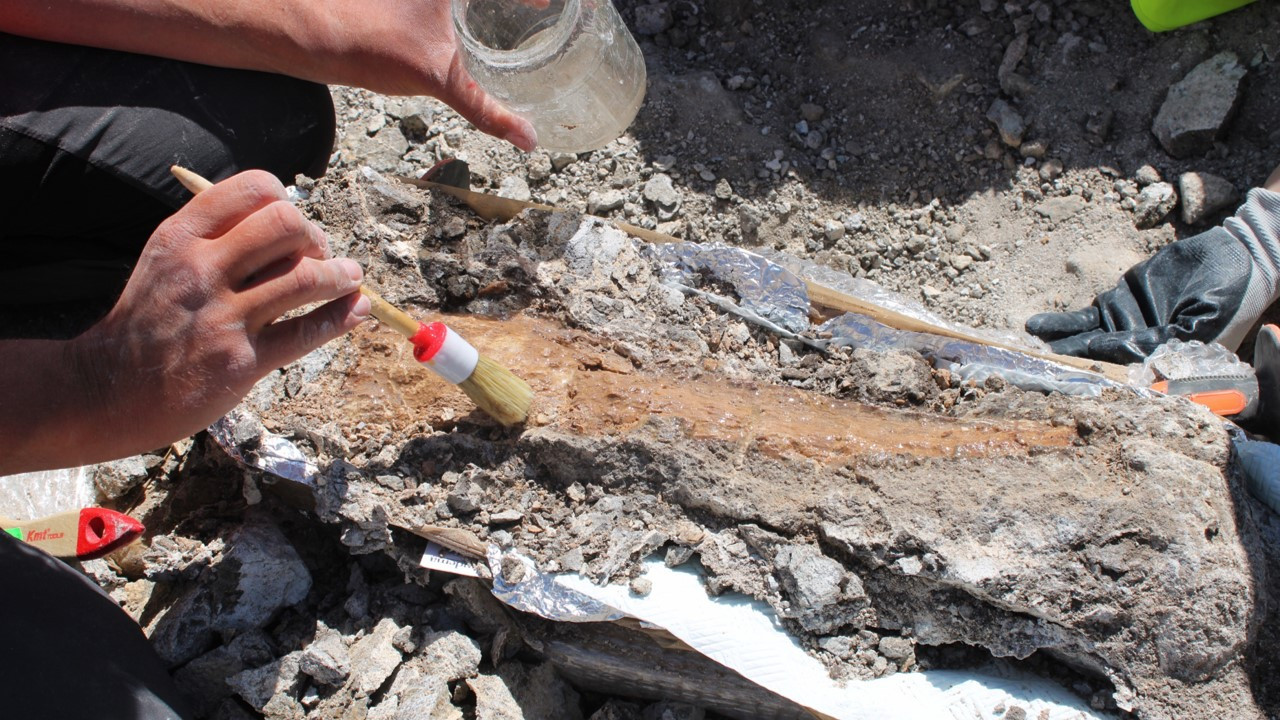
(80, 534)
(493, 388)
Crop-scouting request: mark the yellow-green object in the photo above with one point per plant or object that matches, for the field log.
(1161, 15)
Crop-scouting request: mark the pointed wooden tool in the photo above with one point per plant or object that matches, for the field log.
(491, 207)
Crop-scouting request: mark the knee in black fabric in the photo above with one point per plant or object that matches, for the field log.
(87, 137)
(133, 116)
(70, 651)
(291, 125)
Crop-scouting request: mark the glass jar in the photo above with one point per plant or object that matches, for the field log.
(571, 68)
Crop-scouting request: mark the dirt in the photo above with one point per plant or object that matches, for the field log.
(901, 91)
(583, 389)
(952, 513)
(1103, 542)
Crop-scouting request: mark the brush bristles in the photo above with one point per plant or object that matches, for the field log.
(498, 392)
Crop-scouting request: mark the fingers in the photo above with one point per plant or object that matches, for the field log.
(281, 343)
(1273, 182)
(272, 233)
(1075, 345)
(1132, 347)
(293, 283)
(214, 212)
(1057, 325)
(464, 94)
(1123, 348)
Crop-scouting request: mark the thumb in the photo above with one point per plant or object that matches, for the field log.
(462, 93)
(1057, 325)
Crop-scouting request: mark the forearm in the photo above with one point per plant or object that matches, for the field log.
(247, 34)
(394, 47)
(45, 420)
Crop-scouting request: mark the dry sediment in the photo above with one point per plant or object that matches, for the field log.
(1103, 533)
(1107, 537)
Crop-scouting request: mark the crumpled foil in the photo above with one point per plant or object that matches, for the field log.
(540, 593)
(775, 297)
(241, 435)
(763, 287)
(1178, 360)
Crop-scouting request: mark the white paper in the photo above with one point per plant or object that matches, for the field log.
(436, 557)
(744, 635)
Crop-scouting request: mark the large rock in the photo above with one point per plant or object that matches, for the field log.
(374, 658)
(204, 680)
(1199, 106)
(276, 681)
(114, 479)
(257, 575)
(451, 655)
(326, 660)
(1008, 122)
(1153, 204)
(540, 692)
(494, 700)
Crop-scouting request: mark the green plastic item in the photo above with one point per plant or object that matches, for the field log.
(1162, 15)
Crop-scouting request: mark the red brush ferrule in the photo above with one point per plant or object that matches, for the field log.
(445, 352)
(101, 531)
(428, 340)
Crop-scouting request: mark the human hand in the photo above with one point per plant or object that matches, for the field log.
(199, 320)
(405, 47)
(1211, 287)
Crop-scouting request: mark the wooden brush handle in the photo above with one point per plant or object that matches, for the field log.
(393, 316)
(190, 180)
(381, 309)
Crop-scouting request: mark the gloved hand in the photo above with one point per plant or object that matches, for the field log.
(1211, 287)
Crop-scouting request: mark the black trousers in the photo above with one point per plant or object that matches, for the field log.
(67, 650)
(86, 140)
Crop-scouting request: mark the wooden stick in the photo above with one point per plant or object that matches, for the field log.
(392, 316)
(493, 207)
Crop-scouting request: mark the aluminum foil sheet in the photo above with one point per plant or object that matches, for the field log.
(763, 287)
(539, 593)
(243, 437)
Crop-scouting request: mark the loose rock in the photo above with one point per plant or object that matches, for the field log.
(1198, 107)
(1203, 195)
(1153, 204)
(1008, 122)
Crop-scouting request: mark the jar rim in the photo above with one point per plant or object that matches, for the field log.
(531, 55)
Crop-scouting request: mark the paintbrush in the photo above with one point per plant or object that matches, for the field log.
(80, 534)
(493, 388)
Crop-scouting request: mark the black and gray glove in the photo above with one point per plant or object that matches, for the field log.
(1211, 287)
